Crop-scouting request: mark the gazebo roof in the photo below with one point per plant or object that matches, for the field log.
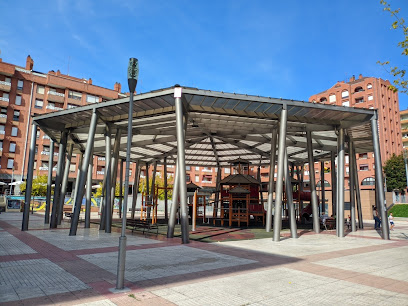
(235, 179)
(220, 126)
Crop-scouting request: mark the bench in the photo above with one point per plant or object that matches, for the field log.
(142, 224)
(67, 211)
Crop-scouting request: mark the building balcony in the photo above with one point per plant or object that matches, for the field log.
(54, 107)
(74, 101)
(55, 97)
(206, 182)
(5, 86)
(101, 158)
(2, 99)
(3, 118)
(100, 172)
(43, 168)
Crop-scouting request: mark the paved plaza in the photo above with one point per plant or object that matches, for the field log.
(47, 267)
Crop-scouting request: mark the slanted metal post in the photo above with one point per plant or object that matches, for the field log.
(323, 187)
(271, 180)
(334, 182)
(64, 184)
(357, 188)
(174, 205)
(289, 198)
(121, 188)
(315, 204)
(83, 174)
(58, 179)
(135, 189)
(49, 183)
(279, 180)
(352, 184)
(30, 172)
(88, 195)
(340, 185)
(152, 188)
(381, 205)
(181, 165)
(107, 178)
(166, 202)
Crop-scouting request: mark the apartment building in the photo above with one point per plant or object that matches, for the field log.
(404, 128)
(24, 93)
(373, 93)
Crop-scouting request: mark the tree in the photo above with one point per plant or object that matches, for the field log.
(400, 83)
(98, 192)
(39, 186)
(160, 182)
(394, 170)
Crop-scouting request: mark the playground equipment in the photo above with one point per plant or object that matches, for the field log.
(239, 196)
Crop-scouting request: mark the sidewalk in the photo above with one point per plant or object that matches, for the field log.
(46, 267)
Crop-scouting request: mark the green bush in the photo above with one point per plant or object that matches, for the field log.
(400, 210)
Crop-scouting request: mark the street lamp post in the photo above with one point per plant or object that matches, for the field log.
(133, 73)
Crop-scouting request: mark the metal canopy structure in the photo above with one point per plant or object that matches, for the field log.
(189, 126)
(220, 127)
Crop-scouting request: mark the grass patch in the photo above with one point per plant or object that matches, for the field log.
(400, 210)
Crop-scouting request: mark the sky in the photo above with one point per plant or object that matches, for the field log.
(288, 49)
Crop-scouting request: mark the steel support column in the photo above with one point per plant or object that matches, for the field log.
(289, 198)
(58, 179)
(357, 189)
(84, 172)
(107, 178)
(340, 185)
(315, 204)
(166, 202)
(135, 189)
(64, 183)
(334, 182)
(352, 185)
(152, 189)
(29, 183)
(49, 183)
(271, 180)
(88, 195)
(174, 205)
(379, 179)
(121, 188)
(277, 224)
(181, 165)
(323, 187)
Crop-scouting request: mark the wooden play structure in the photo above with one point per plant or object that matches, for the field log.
(239, 196)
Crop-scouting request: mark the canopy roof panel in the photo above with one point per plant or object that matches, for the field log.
(220, 126)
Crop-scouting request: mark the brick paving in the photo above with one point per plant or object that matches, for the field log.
(46, 267)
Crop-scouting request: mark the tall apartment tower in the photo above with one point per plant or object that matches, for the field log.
(24, 93)
(373, 93)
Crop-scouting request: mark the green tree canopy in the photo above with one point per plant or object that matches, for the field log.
(394, 169)
(39, 186)
(400, 83)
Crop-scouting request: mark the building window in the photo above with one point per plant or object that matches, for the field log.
(69, 106)
(369, 86)
(12, 147)
(38, 134)
(3, 112)
(38, 103)
(370, 97)
(72, 168)
(187, 177)
(10, 163)
(323, 100)
(344, 94)
(18, 100)
(369, 181)
(74, 95)
(20, 85)
(362, 156)
(346, 103)
(14, 131)
(188, 168)
(1, 145)
(40, 89)
(46, 148)
(227, 170)
(7, 80)
(16, 115)
(364, 167)
(332, 98)
(2, 129)
(197, 168)
(359, 100)
(6, 96)
(359, 89)
(92, 99)
(197, 178)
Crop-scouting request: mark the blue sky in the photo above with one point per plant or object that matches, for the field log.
(290, 49)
